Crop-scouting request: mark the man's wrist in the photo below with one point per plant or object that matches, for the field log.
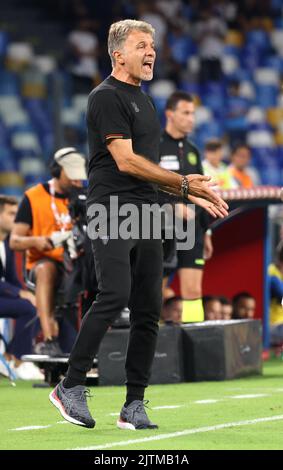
(184, 187)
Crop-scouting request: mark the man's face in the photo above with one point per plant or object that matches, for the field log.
(137, 56)
(227, 312)
(66, 184)
(213, 310)
(7, 218)
(183, 117)
(241, 158)
(214, 156)
(246, 308)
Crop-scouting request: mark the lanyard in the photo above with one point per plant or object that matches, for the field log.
(62, 220)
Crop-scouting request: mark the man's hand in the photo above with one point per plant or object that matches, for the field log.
(200, 186)
(200, 193)
(215, 210)
(43, 244)
(25, 294)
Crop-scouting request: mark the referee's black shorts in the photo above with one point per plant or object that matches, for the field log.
(192, 258)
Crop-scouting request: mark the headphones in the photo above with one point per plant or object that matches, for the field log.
(54, 167)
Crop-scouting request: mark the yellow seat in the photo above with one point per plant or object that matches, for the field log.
(11, 178)
(274, 116)
(234, 38)
(279, 138)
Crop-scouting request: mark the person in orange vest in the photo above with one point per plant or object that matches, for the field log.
(242, 173)
(42, 219)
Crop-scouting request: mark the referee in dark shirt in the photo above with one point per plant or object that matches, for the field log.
(178, 153)
(124, 133)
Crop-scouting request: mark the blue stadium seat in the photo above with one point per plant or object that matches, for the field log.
(259, 39)
(4, 40)
(12, 191)
(267, 95)
(9, 83)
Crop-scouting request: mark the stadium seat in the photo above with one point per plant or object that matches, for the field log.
(234, 38)
(267, 95)
(260, 139)
(259, 39)
(162, 88)
(25, 141)
(279, 138)
(4, 41)
(19, 54)
(276, 37)
(274, 116)
(9, 83)
(11, 179)
(230, 64)
(267, 76)
(79, 103)
(256, 114)
(203, 115)
(247, 90)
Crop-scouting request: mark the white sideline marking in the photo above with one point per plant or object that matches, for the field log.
(30, 428)
(167, 407)
(259, 395)
(204, 402)
(186, 432)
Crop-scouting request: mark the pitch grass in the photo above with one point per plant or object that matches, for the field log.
(26, 406)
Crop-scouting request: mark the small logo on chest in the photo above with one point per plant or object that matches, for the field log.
(135, 106)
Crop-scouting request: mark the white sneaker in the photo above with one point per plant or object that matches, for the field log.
(28, 371)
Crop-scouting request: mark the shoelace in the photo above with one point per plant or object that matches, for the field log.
(141, 408)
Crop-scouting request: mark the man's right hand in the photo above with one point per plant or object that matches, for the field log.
(200, 187)
(27, 295)
(43, 244)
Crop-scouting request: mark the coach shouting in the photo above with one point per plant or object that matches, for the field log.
(124, 133)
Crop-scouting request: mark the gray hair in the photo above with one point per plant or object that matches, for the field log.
(120, 30)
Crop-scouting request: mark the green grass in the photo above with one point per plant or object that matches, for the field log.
(26, 406)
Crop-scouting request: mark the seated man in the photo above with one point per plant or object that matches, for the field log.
(42, 217)
(244, 306)
(15, 302)
(212, 308)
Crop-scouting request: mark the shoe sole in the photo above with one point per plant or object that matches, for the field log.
(56, 402)
(125, 425)
(131, 427)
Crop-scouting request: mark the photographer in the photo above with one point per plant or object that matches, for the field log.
(43, 224)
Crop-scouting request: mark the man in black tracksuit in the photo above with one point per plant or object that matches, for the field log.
(123, 136)
(177, 153)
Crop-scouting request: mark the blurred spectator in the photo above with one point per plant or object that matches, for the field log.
(15, 302)
(84, 51)
(213, 165)
(227, 308)
(237, 107)
(172, 311)
(148, 12)
(42, 222)
(275, 272)
(212, 308)
(240, 170)
(244, 305)
(210, 32)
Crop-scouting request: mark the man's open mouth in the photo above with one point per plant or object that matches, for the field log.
(148, 66)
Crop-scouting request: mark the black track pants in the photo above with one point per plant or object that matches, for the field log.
(129, 274)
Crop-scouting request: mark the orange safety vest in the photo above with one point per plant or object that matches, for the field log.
(243, 179)
(44, 223)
